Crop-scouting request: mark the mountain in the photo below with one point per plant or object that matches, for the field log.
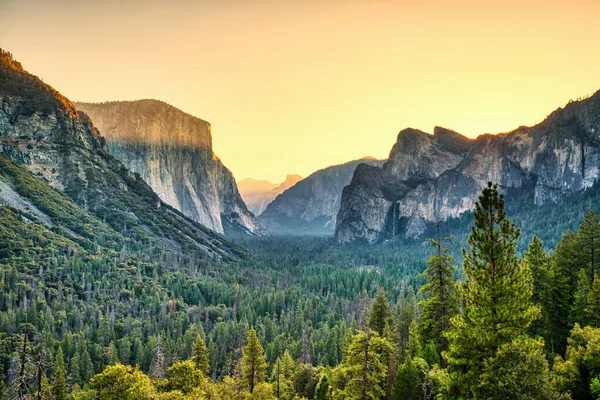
(311, 205)
(259, 194)
(429, 178)
(172, 152)
(110, 206)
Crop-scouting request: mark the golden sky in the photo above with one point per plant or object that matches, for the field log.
(294, 86)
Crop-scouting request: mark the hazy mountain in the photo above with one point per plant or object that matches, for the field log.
(172, 151)
(259, 194)
(43, 131)
(435, 177)
(312, 204)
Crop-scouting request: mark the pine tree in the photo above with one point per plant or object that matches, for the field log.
(408, 381)
(580, 298)
(593, 303)
(564, 283)
(366, 366)
(200, 356)
(497, 295)
(588, 244)
(74, 371)
(539, 264)
(59, 386)
(254, 362)
(441, 297)
(414, 340)
(323, 390)
(380, 313)
(87, 367)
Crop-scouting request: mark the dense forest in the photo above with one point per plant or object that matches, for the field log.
(299, 317)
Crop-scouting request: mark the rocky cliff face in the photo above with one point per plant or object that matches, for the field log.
(172, 152)
(311, 205)
(259, 194)
(43, 131)
(435, 177)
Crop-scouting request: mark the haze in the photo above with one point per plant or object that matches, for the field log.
(294, 86)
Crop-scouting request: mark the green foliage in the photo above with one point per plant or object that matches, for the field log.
(380, 313)
(120, 382)
(441, 297)
(59, 384)
(574, 373)
(200, 356)
(497, 295)
(409, 380)
(519, 369)
(184, 376)
(253, 363)
(366, 366)
(323, 390)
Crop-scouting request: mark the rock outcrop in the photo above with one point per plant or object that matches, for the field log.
(43, 131)
(311, 205)
(259, 194)
(428, 178)
(172, 152)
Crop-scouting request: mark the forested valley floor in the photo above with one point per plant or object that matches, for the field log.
(508, 317)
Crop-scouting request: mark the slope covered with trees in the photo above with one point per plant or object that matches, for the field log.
(282, 325)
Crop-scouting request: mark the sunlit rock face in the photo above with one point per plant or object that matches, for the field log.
(172, 152)
(311, 205)
(44, 132)
(429, 178)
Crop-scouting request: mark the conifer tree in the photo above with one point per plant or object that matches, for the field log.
(200, 356)
(441, 298)
(366, 366)
(408, 380)
(588, 244)
(323, 390)
(593, 304)
(74, 372)
(497, 295)
(254, 362)
(59, 384)
(414, 340)
(87, 367)
(580, 298)
(539, 264)
(380, 313)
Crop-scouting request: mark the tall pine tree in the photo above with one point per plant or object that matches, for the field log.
(380, 313)
(497, 295)
(441, 298)
(200, 356)
(254, 362)
(59, 384)
(366, 367)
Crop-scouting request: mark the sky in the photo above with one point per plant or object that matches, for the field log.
(295, 86)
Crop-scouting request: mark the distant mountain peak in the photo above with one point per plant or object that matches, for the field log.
(292, 179)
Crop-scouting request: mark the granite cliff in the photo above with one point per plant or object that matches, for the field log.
(428, 178)
(312, 204)
(44, 132)
(172, 152)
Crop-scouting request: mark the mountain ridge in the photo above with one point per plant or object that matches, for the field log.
(311, 205)
(422, 182)
(43, 131)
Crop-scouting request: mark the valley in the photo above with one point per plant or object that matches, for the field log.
(134, 266)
